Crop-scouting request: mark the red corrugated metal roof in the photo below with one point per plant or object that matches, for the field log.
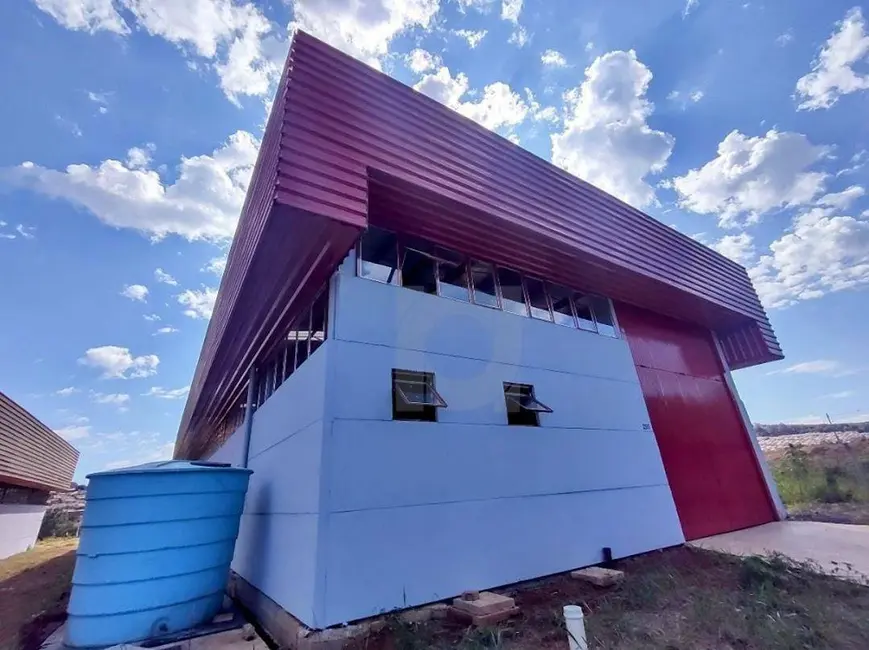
(345, 144)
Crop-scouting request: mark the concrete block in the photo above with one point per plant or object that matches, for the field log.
(484, 603)
(438, 611)
(483, 620)
(599, 576)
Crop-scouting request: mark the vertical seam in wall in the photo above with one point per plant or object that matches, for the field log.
(748, 428)
(325, 499)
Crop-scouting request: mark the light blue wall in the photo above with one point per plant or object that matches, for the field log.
(420, 511)
(351, 514)
(277, 545)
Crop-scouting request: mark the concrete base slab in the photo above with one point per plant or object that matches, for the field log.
(599, 576)
(483, 603)
(483, 620)
(840, 550)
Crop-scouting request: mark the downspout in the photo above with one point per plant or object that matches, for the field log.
(248, 416)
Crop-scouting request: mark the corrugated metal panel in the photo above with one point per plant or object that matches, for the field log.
(711, 467)
(343, 116)
(31, 454)
(345, 144)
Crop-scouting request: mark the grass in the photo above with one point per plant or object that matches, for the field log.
(34, 589)
(677, 599)
(827, 482)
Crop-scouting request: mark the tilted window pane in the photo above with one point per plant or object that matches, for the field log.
(414, 396)
(537, 299)
(561, 309)
(378, 256)
(452, 276)
(583, 312)
(604, 316)
(418, 271)
(483, 276)
(512, 296)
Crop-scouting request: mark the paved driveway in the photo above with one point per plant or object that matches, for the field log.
(838, 549)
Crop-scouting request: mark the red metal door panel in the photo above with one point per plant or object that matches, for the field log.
(713, 473)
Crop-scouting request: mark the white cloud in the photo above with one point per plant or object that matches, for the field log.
(139, 157)
(499, 106)
(739, 248)
(785, 38)
(163, 452)
(816, 367)
(166, 330)
(234, 35)
(472, 37)
(685, 98)
(840, 395)
(833, 72)
(519, 37)
(152, 318)
(690, 5)
(553, 58)
(26, 232)
(510, 10)
(19, 231)
(200, 304)
(166, 393)
(363, 29)
(85, 15)
(822, 253)
(101, 100)
(606, 138)
(135, 292)
(752, 176)
(420, 61)
(116, 399)
(216, 265)
(161, 276)
(68, 125)
(842, 200)
(74, 432)
(203, 202)
(118, 363)
(66, 392)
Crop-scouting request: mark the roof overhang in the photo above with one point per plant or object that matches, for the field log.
(346, 145)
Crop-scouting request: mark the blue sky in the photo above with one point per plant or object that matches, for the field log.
(132, 127)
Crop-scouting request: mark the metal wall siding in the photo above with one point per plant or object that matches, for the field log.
(398, 142)
(383, 120)
(346, 145)
(31, 454)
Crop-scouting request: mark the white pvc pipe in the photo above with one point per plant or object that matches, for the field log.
(575, 623)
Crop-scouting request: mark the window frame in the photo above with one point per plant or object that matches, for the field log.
(524, 416)
(495, 283)
(397, 280)
(546, 297)
(527, 313)
(465, 264)
(414, 411)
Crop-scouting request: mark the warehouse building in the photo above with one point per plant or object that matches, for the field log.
(34, 461)
(464, 367)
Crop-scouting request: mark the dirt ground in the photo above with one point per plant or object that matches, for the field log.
(34, 589)
(677, 599)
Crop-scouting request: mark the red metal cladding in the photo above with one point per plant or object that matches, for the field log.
(346, 145)
(710, 463)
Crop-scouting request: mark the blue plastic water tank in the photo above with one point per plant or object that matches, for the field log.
(156, 544)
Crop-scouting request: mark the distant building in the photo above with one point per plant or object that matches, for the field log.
(469, 367)
(33, 462)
